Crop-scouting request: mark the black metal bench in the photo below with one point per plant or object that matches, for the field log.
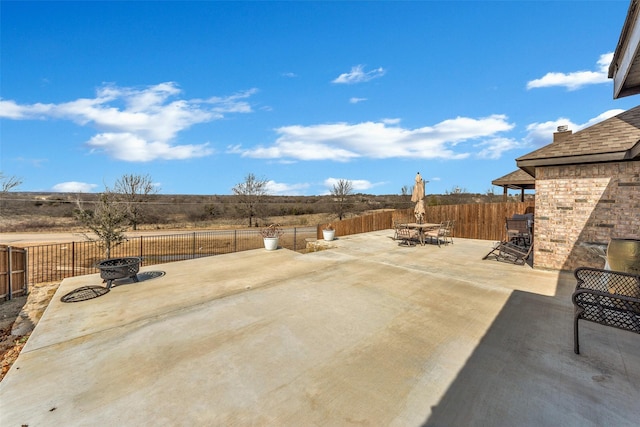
(610, 298)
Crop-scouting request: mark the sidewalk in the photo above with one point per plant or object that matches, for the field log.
(365, 332)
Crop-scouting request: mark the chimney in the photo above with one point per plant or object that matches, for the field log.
(562, 134)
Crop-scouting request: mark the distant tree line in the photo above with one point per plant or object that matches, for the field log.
(136, 201)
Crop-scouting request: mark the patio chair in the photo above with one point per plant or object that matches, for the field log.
(518, 231)
(606, 297)
(441, 234)
(397, 225)
(510, 252)
(407, 236)
(449, 231)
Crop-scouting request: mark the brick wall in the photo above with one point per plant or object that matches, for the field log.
(584, 203)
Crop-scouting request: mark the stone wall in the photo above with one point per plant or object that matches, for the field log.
(579, 204)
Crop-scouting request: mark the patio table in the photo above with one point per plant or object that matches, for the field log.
(421, 227)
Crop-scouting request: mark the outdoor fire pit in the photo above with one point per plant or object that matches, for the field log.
(119, 268)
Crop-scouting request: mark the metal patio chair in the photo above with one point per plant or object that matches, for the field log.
(518, 231)
(407, 236)
(510, 252)
(441, 235)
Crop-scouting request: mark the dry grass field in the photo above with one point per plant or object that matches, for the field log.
(55, 211)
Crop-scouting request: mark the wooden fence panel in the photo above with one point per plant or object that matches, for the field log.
(483, 221)
(361, 224)
(13, 272)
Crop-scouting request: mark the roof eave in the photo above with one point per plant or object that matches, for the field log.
(530, 165)
(624, 65)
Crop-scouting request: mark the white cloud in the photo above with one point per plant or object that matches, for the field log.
(355, 100)
(577, 79)
(493, 148)
(73, 187)
(342, 142)
(131, 148)
(540, 134)
(600, 118)
(289, 75)
(358, 185)
(148, 119)
(358, 75)
(282, 189)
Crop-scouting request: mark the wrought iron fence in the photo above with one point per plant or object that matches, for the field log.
(54, 262)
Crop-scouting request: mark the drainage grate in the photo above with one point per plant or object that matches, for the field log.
(84, 293)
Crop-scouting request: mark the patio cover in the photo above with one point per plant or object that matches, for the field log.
(516, 180)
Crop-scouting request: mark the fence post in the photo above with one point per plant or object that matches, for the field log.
(295, 239)
(193, 246)
(235, 240)
(73, 259)
(141, 248)
(26, 271)
(9, 274)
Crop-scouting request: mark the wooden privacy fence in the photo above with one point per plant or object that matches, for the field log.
(13, 272)
(485, 221)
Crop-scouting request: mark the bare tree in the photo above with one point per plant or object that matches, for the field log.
(134, 190)
(8, 183)
(108, 221)
(250, 193)
(341, 192)
(456, 195)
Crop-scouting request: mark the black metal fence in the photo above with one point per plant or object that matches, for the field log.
(51, 263)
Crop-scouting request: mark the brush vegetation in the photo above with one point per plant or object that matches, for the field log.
(45, 211)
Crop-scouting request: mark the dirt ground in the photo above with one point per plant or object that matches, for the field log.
(18, 317)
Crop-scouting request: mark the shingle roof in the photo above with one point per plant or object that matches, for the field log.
(515, 180)
(614, 139)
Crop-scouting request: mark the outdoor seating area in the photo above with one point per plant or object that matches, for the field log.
(414, 233)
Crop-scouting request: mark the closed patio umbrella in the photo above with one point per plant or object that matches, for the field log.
(418, 196)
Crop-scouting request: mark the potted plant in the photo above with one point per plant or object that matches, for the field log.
(270, 236)
(328, 232)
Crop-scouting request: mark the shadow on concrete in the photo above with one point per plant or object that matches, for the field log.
(524, 371)
(142, 277)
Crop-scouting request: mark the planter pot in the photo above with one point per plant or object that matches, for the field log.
(270, 243)
(624, 255)
(119, 268)
(328, 235)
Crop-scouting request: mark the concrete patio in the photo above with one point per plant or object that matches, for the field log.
(365, 333)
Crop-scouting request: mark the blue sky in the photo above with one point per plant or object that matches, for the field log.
(199, 94)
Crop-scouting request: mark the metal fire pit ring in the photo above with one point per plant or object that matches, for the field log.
(119, 268)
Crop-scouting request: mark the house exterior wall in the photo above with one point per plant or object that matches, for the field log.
(577, 204)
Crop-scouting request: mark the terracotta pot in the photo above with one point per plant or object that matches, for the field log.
(624, 255)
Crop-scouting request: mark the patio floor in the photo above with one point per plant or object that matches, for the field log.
(365, 333)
